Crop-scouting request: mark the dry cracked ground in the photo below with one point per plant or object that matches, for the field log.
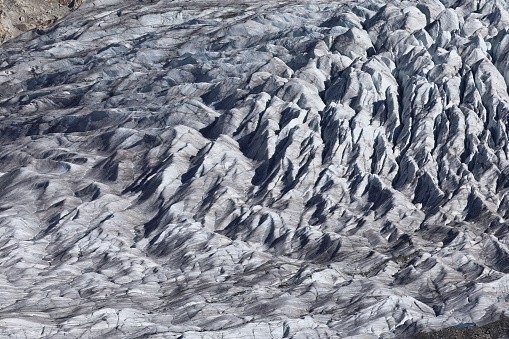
(238, 169)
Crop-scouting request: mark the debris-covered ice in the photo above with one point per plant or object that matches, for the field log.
(237, 169)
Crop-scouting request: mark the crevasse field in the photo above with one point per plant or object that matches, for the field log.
(263, 169)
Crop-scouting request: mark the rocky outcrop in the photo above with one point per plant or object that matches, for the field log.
(246, 169)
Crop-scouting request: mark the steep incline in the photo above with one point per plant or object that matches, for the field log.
(176, 169)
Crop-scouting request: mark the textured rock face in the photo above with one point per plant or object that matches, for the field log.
(18, 16)
(256, 170)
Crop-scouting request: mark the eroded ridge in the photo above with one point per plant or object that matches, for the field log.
(256, 170)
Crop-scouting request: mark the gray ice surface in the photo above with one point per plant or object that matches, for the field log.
(237, 169)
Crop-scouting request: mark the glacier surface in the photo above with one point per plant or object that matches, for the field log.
(255, 169)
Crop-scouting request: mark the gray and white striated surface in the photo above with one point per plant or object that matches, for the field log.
(176, 169)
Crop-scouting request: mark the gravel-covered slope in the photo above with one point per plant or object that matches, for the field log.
(18, 16)
(176, 169)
